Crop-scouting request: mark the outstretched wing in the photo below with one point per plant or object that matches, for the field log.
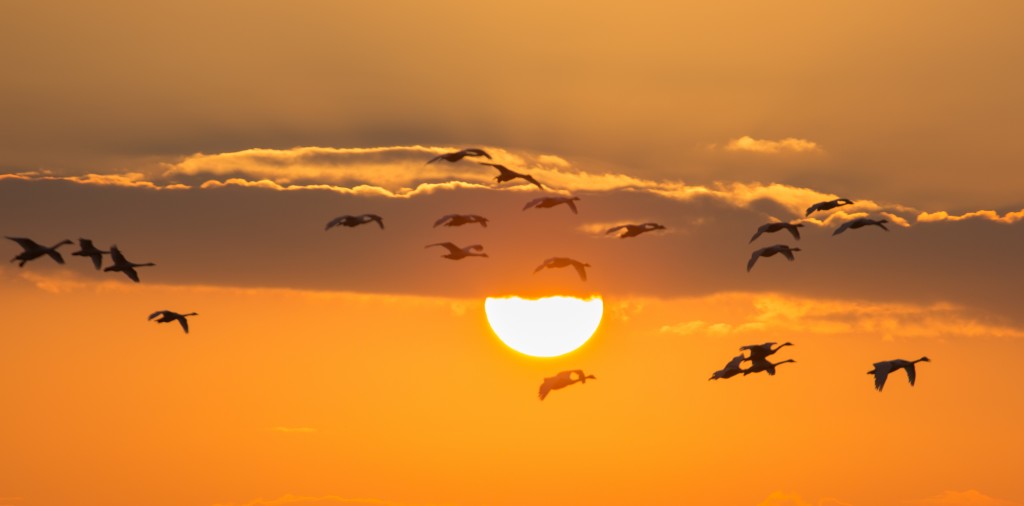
(753, 259)
(473, 247)
(881, 371)
(543, 265)
(158, 313)
(116, 255)
(532, 180)
(760, 230)
(451, 247)
(842, 228)
(613, 229)
(581, 270)
(24, 242)
(444, 219)
(882, 225)
(788, 253)
(533, 202)
(335, 222)
(476, 152)
(373, 217)
(184, 323)
(572, 205)
(545, 387)
(911, 373)
(130, 272)
(813, 208)
(795, 231)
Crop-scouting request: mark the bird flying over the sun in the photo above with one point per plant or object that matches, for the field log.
(552, 202)
(459, 155)
(634, 230)
(769, 251)
(33, 250)
(763, 365)
(828, 205)
(731, 369)
(86, 249)
(882, 370)
(121, 264)
(457, 253)
(860, 222)
(353, 221)
(507, 174)
(555, 262)
(458, 220)
(170, 316)
(762, 351)
(562, 380)
(768, 228)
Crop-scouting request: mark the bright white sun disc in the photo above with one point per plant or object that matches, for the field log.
(545, 327)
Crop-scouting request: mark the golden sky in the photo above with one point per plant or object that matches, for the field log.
(354, 367)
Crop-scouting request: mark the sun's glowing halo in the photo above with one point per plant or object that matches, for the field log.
(544, 327)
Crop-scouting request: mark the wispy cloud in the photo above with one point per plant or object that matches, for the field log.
(963, 498)
(787, 145)
(1011, 217)
(127, 180)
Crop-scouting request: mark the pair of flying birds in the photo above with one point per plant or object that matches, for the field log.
(32, 250)
(504, 173)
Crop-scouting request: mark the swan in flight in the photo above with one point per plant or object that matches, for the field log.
(33, 250)
(768, 228)
(552, 202)
(554, 262)
(828, 205)
(458, 220)
(860, 222)
(353, 221)
(507, 174)
(457, 253)
(731, 369)
(635, 230)
(170, 316)
(760, 365)
(769, 251)
(562, 380)
(86, 249)
(762, 351)
(121, 264)
(459, 155)
(882, 370)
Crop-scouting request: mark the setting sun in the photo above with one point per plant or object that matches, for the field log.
(545, 327)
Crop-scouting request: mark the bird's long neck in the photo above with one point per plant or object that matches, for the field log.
(922, 359)
(784, 361)
(147, 264)
(190, 314)
(779, 347)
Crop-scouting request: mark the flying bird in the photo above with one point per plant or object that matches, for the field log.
(458, 220)
(762, 351)
(882, 370)
(121, 264)
(860, 222)
(552, 202)
(86, 249)
(635, 230)
(828, 205)
(457, 253)
(731, 369)
(170, 316)
(554, 262)
(33, 250)
(769, 251)
(763, 365)
(507, 174)
(562, 380)
(353, 221)
(459, 155)
(768, 228)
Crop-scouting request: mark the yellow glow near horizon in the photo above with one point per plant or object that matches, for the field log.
(544, 327)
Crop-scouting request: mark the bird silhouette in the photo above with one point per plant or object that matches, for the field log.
(763, 365)
(121, 264)
(635, 230)
(768, 228)
(507, 174)
(86, 249)
(552, 202)
(457, 253)
(459, 155)
(769, 251)
(882, 370)
(828, 205)
(731, 369)
(555, 262)
(562, 380)
(353, 221)
(33, 250)
(458, 220)
(170, 316)
(860, 222)
(762, 351)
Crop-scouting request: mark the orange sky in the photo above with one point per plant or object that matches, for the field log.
(354, 367)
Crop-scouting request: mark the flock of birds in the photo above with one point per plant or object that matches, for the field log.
(758, 353)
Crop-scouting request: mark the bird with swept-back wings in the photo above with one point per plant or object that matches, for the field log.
(354, 221)
(459, 155)
(457, 253)
(543, 202)
(769, 251)
(33, 250)
(555, 262)
(882, 370)
(507, 174)
(170, 316)
(458, 220)
(828, 205)
(634, 230)
(121, 264)
(769, 228)
(86, 249)
(562, 380)
(860, 222)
